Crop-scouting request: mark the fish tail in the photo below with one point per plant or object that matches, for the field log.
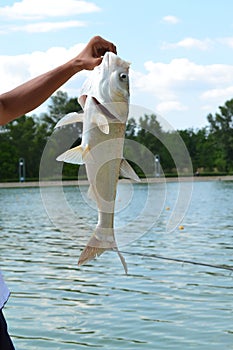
(95, 247)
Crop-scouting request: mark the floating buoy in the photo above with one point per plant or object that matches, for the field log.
(181, 227)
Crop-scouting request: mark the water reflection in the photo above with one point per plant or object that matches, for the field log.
(160, 304)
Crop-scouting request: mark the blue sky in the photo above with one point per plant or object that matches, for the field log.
(181, 51)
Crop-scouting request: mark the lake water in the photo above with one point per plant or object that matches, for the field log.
(160, 304)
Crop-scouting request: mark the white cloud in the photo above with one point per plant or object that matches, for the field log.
(171, 19)
(43, 27)
(15, 70)
(167, 80)
(34, 9)
(221, 93)
(228, 41)
(183, 88)
(193, 43)
(168, 106)
(190, 43)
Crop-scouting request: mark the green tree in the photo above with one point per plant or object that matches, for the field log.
(150, 132)
(221, 129)
(7, 155)
(131, 129)
(65, 137)
(60, 105)
(24, 144)
(27, 136)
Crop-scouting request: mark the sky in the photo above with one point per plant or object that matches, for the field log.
(181, 51)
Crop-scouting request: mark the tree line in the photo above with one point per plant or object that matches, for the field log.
(210, 148)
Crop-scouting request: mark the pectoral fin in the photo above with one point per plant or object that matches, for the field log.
(127, 171)
(102, 123)
(70, 118)
(74, 155)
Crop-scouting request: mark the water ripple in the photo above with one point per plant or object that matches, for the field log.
(160, 304)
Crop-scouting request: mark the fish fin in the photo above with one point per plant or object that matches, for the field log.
(87, 156)
(73, 155)
(122, 259)
(102, 123)
(82, 100)
(127, 171)
(95, 247)
(70, 118)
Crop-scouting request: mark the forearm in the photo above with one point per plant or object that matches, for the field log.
(31, 94)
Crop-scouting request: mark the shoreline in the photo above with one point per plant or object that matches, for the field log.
(85, 182)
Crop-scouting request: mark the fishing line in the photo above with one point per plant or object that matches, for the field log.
(161, 257)
(184, 261)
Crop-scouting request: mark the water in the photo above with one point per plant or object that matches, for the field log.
(160, 304)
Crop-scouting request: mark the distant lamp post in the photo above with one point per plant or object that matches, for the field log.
(21, 170)
(157, 165)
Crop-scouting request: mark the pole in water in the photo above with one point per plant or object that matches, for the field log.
(157, 165)
(21, 170)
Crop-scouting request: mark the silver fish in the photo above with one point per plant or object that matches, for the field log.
(105, 102)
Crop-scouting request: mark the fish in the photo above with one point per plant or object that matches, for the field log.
(104, 99)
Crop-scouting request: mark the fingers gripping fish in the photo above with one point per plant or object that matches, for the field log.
(105, 102)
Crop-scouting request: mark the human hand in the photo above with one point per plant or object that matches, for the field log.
(91, 55)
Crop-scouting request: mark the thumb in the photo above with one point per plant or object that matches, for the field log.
(98, 60)
(93, 63)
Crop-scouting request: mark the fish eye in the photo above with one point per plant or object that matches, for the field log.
(123, 76)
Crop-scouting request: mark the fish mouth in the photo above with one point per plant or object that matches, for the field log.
(103, 109)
